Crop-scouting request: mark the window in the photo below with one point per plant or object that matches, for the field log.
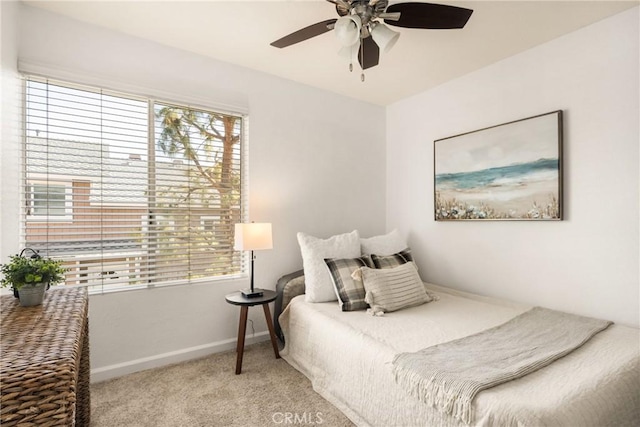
(48, 199)
(129, 190)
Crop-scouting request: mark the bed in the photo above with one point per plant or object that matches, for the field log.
(348, 358)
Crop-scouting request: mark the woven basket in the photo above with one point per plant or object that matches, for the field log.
(44, 367)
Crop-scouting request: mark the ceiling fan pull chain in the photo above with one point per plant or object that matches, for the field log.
(362, 57)
(351, 59)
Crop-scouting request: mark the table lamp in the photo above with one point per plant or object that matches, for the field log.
(252, 236)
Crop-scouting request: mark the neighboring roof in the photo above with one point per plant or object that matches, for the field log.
(122, 180)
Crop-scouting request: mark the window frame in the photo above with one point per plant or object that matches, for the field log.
(148, 217)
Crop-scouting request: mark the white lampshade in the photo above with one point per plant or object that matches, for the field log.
(384, 37)
(347, 29)
(253, 236)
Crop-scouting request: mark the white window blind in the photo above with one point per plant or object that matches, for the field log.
(130, 191)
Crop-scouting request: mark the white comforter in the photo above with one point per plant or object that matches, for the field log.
(347, 356)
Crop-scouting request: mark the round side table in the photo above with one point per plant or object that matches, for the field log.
(236, 298)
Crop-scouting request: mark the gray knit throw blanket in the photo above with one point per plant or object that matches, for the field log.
(448, 376)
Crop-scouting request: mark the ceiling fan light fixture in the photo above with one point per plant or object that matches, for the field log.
(384, 37)
(349, 53)
(347, 30)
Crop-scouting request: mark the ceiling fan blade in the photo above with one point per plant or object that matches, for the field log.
(342, 7)
(368, 54)
(305, 33)
(429, 16)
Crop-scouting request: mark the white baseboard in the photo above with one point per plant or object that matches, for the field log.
(120, 369)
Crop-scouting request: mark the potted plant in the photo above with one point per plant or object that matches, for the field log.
(30, 277)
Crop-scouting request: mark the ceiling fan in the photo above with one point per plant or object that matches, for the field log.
(359, 27)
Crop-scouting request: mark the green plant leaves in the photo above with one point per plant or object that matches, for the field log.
(20, 271)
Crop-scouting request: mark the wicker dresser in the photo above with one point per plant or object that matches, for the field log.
(44, 366)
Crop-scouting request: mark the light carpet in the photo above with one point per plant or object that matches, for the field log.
(206, 392)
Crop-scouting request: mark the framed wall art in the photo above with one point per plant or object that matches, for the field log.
(511, 171)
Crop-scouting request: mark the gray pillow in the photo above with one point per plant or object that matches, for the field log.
(393, 289)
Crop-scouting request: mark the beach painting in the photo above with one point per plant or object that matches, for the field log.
(511, 171)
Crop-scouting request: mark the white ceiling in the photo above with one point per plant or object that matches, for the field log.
(239, 32)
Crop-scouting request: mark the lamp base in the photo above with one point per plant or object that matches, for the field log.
(248, 293)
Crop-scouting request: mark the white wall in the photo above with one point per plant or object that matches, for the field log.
(310, 170)
(10, 118)
(588, 263)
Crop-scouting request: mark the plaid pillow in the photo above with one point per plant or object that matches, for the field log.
(390, 261)
(350, 291)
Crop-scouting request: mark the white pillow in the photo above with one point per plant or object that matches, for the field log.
(318, 283)
(387, 244)
(393, 289)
